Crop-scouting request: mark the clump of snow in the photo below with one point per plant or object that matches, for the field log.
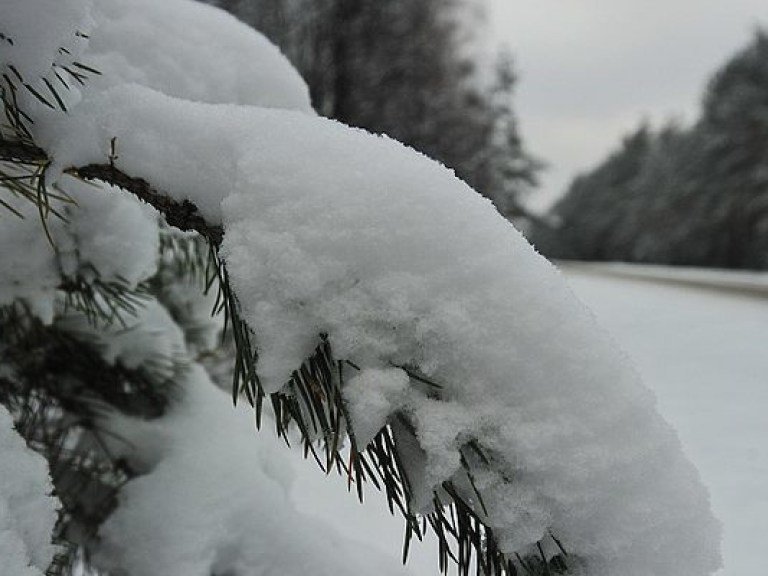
(110, 232)
(30, 271)
(222, 497)
(191, 50)
(27, 511)
(106, 234)
(84, 137)
(35, 37)
(371, 396)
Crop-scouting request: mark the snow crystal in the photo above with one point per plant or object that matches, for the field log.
(223, 496)
(27, 511)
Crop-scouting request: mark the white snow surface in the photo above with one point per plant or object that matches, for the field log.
(37, 36)
(333, 230)
(216, 500)
(27, 510)
(106, 233)
(178, 47)
(110, 232)
(702, 350)
(29, 274)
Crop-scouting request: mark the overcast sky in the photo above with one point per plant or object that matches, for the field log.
(590, 70)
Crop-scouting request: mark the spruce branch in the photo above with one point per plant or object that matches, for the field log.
(21, 152)
(183, 215)
(185, 256)
(313, 401)
(103, 302)
(59, 388)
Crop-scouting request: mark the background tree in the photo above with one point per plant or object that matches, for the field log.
(694, 196)
(734, 124)
(586, 216)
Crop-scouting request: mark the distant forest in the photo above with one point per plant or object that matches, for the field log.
(693, 195)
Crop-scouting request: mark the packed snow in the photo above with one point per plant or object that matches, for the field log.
(27, 509)
(336, 231)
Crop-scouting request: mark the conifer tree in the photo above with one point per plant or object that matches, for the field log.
(370, 314)
(686, 196)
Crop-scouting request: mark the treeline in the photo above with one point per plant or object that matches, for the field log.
(684, 196)
(405, 68)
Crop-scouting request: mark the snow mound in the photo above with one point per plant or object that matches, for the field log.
(178, 47)
(223, 497)
(27, 511)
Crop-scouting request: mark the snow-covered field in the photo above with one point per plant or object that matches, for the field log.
(704, 354)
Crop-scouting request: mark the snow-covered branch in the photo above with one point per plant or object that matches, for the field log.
(23, 152)
(496, 392)
(180, 214)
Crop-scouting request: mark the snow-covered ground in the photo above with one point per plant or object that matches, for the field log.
(704, 354)
(703, 351)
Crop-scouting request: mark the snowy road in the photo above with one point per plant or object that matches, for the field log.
(705, 354)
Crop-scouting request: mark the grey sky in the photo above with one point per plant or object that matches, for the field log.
(590, 70)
